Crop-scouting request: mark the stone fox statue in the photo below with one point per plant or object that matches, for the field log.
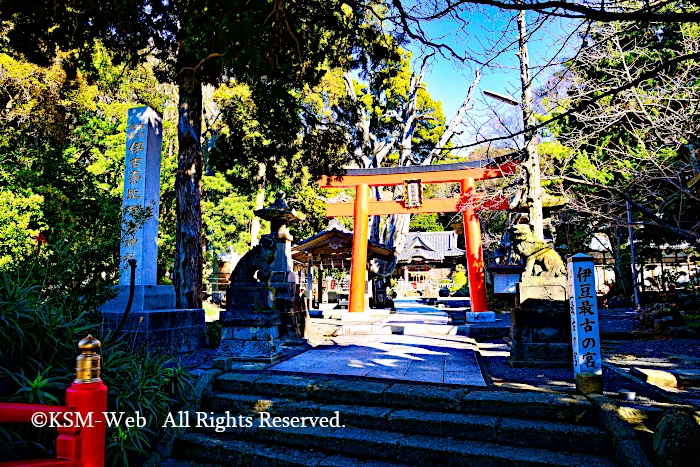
(254, 266)
(539, 258)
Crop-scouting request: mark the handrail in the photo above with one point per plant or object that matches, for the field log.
(22, 413)
(86, 400)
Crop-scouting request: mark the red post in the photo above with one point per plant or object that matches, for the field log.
(358, 270)
(88, 395)
(88, 398)
(475, 256)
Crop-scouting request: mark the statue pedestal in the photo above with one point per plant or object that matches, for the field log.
(251, 326)
(540, 330)
(259, 315)
(288, 303)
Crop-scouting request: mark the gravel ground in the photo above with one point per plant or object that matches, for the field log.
(679, 352)
(617, 319)
(659, 354)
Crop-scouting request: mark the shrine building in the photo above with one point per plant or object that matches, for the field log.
(427, 259)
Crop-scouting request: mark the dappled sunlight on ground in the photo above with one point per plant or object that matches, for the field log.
(394, 357)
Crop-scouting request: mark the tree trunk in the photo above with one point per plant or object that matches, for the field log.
(532, 162)
(188, 194)
(622, 283)
(259, 204)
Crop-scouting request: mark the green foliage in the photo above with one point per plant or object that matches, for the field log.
(18, 213)
(36, 365)
(250, 141)
(276, 48)
(62, 145)
(426, 223)
(459, 279)
(383, 95)
(213, 333)
(632, 143)
(150, 384)
(226, 215)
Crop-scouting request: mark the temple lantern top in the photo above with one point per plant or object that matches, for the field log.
(280, 215)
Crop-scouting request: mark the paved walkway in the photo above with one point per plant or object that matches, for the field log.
(432, 359)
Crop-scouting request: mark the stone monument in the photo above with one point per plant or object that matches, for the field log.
(540, 332)
(153, 320)
(262, 302)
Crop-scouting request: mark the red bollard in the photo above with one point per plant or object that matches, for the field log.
(88, 396)
(81, 436)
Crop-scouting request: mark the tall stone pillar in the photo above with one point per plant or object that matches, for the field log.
(152, 320)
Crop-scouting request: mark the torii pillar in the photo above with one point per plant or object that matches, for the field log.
(475, 254)
(358, 268)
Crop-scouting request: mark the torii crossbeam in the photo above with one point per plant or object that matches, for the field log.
(465, 173)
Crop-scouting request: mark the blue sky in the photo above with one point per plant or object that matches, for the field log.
(449, 81)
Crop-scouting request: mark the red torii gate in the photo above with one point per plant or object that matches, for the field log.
(465, 173)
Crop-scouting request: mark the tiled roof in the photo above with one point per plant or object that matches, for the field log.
(336, 229)
(333, 225)
(434, 246)
(481, 163)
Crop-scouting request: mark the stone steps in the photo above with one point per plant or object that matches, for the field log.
(184, 463)
(389, 424)
(243, 453)
(502, 430)
(525, 405)
(312, 446)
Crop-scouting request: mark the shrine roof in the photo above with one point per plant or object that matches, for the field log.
(432, 246)
(336, 238)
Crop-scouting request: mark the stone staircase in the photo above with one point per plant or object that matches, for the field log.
(390, 424)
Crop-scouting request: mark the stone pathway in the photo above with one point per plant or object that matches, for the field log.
(396, 357)
(421, 358)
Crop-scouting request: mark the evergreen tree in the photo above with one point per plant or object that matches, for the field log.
(273, 45)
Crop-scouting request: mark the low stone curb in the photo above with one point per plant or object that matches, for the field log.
(677, 379)
(658, 392)
(628, 450)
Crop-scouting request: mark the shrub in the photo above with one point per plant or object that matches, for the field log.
(459, 278)
(37, 358)
(213, 333)
(146, 383)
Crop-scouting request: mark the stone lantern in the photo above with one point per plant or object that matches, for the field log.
(262, 302)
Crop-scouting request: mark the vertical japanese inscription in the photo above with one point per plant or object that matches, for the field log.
(141, 194)
(583, 309)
